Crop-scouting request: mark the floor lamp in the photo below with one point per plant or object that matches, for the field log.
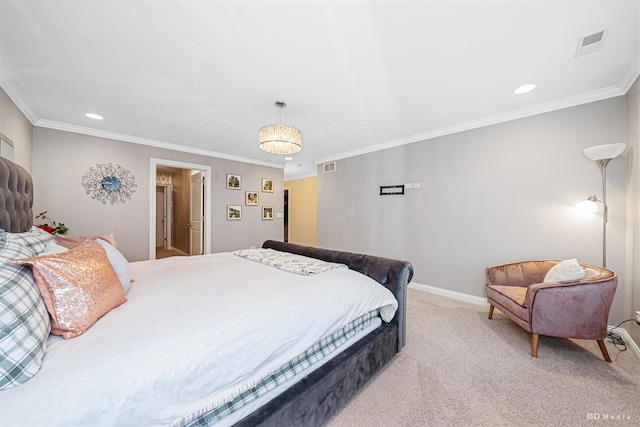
(603, 154)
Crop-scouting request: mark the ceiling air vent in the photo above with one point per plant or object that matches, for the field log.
(591, 43)
(329, 167)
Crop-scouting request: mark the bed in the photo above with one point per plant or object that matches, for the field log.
(170, 336)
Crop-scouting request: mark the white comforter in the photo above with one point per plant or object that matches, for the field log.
(194, 331)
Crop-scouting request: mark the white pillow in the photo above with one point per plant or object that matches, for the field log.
(53, 248)
(119, 264)
(566, 270)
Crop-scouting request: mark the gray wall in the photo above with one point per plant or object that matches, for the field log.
(15, 126)
(60, 159)
(632, 296)
(488, 196)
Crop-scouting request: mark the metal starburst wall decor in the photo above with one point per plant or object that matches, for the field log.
(108, 183)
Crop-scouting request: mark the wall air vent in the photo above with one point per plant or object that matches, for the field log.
(329, 167)
(591, 43)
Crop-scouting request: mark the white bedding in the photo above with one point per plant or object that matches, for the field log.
(194, 332)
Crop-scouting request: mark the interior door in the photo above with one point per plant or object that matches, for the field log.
(196, 228)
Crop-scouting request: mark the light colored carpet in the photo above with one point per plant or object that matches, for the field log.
(460, 369)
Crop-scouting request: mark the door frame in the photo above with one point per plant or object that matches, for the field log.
(153, 164)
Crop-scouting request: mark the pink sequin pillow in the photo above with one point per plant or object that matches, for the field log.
(78, 287)
(71, 242)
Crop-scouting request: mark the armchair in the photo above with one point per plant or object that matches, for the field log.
(572, 309)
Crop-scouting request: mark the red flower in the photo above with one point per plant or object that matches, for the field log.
(46, 228)
(54, 228)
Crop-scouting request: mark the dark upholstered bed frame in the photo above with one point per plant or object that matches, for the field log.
(316, 398)
(320, 395)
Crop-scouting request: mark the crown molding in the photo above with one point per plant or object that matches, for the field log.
(571, 101)
(15, 94)
(631, 75)
(49, 124)
(293, 177)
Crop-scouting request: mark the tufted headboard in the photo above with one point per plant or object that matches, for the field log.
(16, 197)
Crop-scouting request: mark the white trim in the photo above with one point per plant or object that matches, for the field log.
(571, 101)
(15, 94)
(596, 95)
(450, 294)
(301, 177)
(631, 75)
(625, 83)
(149, 142)
(627, 339)
(293, 177)
(153, 162)
(483, 302)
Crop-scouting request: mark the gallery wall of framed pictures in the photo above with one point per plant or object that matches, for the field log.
(251, 198)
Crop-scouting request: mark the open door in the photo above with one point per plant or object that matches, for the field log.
(196, 232)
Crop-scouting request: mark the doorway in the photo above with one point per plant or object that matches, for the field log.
(172, 217)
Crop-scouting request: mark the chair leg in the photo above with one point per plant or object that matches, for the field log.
(534, 345)
(490, 312)
(603, 349)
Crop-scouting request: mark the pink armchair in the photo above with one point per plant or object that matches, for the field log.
(574, 309)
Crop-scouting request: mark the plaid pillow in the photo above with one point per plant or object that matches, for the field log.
(24, 321)
(35, 239)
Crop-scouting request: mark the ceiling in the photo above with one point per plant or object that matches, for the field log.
(203, 76)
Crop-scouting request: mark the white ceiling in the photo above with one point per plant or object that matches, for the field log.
(203, 76)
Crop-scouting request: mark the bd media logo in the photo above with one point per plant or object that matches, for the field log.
(607, 417)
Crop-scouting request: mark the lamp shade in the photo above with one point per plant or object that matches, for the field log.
(589, 205)
(278, 139)
(605, 151)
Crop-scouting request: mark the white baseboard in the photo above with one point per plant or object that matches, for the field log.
(451, 294)
(627, 339)
(481, 301)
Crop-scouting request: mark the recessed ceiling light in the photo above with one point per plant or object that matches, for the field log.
(288, 158)
(94, 116)
(525, 88)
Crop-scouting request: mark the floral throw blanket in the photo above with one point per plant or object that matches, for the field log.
(286, 261)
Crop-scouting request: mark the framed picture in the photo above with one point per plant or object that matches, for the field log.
(251, 198)
(267, 185)
(234, 181)
(267, 212)
(234, 212)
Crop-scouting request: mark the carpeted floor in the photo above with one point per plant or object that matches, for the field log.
(461, 369)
